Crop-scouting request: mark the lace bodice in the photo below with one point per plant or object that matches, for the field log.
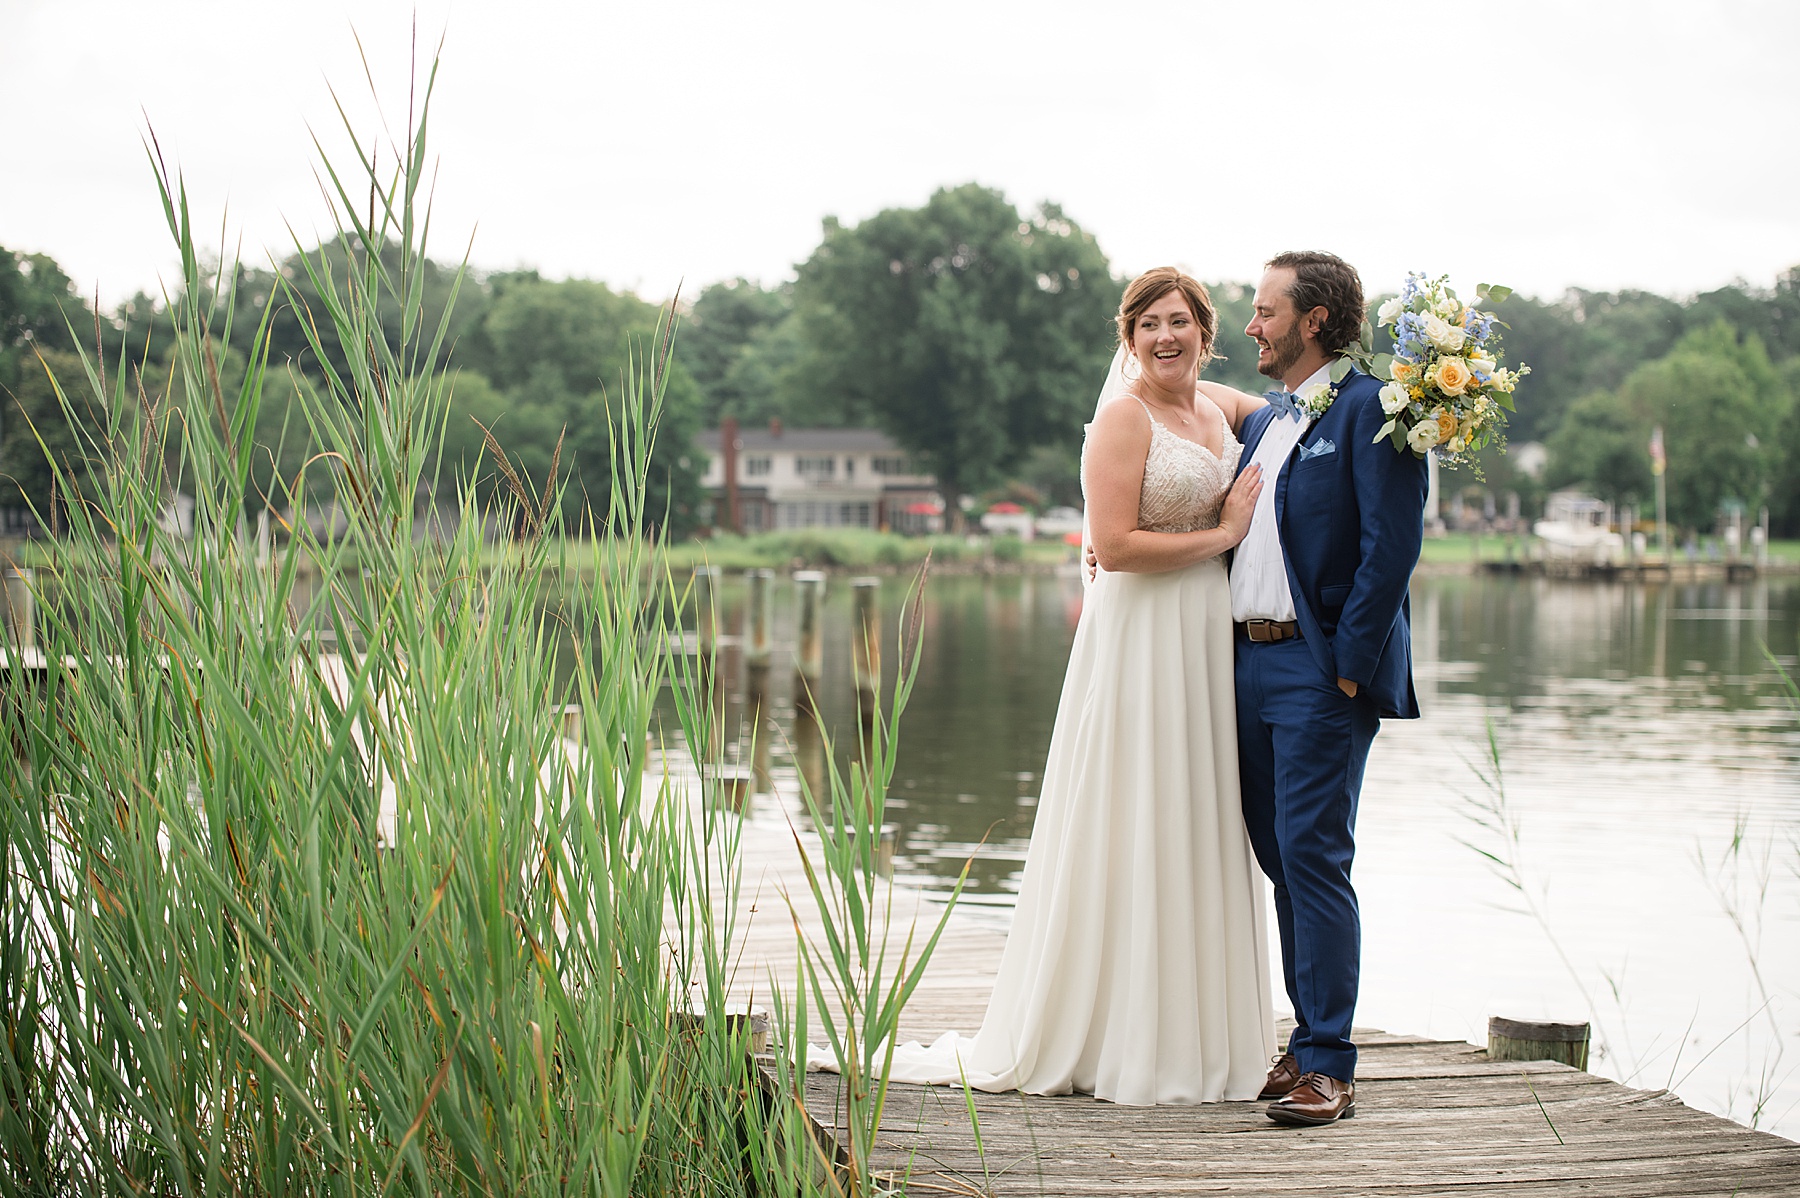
(1185, 483)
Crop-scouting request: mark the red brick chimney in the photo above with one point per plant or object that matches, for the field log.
(728, 452)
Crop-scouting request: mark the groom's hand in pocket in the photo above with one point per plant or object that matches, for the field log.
(1347, 686)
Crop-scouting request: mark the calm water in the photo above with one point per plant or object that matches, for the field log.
(1640, 729)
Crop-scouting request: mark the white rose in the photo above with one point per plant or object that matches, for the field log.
(1316, 398)
(1482, 364)
(1443, 334)
(1448, 308)
(1394, 398)
(1390, 311)
(1423, 436)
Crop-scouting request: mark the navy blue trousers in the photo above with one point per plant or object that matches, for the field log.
(1302, 745)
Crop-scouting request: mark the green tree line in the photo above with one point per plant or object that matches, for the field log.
(534, 369)
(974, 334)
(1718, 372)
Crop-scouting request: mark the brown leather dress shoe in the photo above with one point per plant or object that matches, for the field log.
(1284, 1077)
(1315, 1101)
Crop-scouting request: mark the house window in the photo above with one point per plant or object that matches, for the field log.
(756, 467)
(889, 465)
(815, 467)
(812, 514)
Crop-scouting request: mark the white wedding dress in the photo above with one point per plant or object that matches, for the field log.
(1137, 967)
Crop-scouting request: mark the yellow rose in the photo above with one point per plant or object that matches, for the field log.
(1402, 370)
(1446, 422)
(1452, 376)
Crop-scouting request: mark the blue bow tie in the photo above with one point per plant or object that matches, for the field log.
(1285, 402)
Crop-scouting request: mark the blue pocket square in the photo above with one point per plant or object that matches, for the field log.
(1318, 449)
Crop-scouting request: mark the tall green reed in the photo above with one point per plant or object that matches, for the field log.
(306, 894)
(858, 971)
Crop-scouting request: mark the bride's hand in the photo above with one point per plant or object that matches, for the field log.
(1234, 518)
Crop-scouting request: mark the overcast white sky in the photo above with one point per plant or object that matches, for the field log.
(1543, 144)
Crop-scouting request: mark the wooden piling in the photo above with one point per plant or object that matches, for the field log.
(758, 647)
(757, 642)
(809, 638)
(742, 1019)
(759, 716)
(809, 754)
(731, 787)
(706, 613)
(18, 611)
(1520, 1040)
(866, 649)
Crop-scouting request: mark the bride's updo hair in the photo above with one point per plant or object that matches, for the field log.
(1151, 286)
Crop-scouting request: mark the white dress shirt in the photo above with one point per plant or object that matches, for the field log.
(1259, 584)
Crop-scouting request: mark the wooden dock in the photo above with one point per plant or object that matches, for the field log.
(1433, 1117)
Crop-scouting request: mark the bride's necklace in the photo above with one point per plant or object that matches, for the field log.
(1176, 412)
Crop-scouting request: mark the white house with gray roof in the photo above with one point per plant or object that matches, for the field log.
(815, 478)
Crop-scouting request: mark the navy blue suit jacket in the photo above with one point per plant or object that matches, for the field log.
(1351, 519)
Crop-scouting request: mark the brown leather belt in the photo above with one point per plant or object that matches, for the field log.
(1265, 632)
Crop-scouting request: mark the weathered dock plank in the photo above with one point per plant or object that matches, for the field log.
(1433, 1117)
(1405, 1140)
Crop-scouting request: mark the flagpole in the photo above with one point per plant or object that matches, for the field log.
(1662, 516)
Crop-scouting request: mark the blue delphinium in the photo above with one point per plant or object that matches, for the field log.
(1409, 336)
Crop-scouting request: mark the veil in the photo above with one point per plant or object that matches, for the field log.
(1114, 386)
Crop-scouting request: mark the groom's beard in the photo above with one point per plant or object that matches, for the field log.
(1284, 353)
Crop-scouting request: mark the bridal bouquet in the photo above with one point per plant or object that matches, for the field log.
(1444, 387)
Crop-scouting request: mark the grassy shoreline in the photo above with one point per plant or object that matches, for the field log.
(861, 551)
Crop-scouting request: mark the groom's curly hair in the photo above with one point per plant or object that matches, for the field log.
(1326, 281)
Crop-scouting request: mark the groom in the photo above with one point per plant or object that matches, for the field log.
(1324, 651)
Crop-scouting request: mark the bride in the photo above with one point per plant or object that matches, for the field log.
(1137, 966)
